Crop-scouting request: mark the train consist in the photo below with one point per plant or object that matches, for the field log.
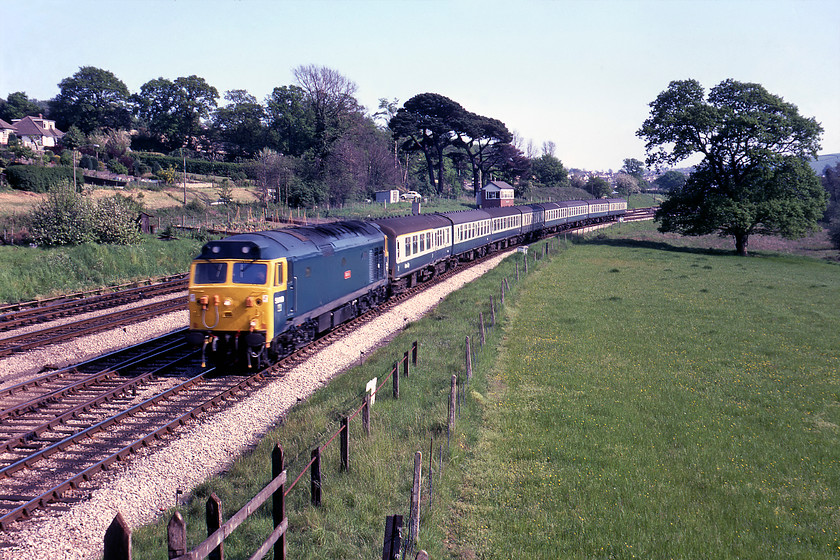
(255, 297)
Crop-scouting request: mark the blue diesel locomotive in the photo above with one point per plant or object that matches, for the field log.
(254, 297)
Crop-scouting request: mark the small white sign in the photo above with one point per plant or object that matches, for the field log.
(371, 388)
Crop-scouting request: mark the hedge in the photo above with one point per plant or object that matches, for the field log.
(37, 179)
(195, 166)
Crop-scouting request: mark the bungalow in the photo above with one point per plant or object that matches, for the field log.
(494, 194)
(36, 132)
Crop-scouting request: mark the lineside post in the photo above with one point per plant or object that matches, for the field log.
(176, 535)
(468, 358)
(213, 511)
(315, 474)
(118, 540)
(278, 501)
(395, 374)
(366, 415)
(345, 443)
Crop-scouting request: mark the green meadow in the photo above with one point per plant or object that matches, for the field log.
(662, 402)
(636, 399)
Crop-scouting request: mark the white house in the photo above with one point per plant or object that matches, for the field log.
(34, 132)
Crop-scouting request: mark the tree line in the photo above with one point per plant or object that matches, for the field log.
(306, 143)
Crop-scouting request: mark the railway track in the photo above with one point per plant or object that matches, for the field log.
(61, 333)
(16, 315)
(60, 430)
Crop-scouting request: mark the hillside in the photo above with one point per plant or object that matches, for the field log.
(823, 161)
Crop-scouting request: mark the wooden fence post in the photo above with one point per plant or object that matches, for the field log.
(366, 415)
(345, 444)
(278, 501)
(503, 291)
(393, 537)
(492, 312)
(414, 353)
(315, 474)
(450, 425)
(176, 535)
(481, 327)
(213, 510)
(117, 540)
(396, 378)
(414, 515)
(406, 367)
(468, 358)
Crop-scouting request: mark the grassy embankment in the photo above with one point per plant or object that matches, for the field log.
(648, 401)
(28, 273)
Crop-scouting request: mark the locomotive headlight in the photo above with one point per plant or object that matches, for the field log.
(228, 303)
(253, 324)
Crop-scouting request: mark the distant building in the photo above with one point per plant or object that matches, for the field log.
(388, 197)
(34, 132)
(5, 130)
(495, 194)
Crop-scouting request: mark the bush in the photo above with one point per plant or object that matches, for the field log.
(67, 218)
(64, 218)
(168, 175)
(88, 162)
(33, 178)
(116, 167)
(834, 231)
(114, 221)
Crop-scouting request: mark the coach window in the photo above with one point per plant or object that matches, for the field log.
(422, 242)
(414, 244)
(407, 246)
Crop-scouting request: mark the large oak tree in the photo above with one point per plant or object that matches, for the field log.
(753, 178)
(92, 98)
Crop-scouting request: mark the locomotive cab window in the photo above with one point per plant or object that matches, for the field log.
(279, 275)
(249, 273)
(210, 273)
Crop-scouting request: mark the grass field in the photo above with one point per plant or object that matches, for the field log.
(28, 273)
(662, 403)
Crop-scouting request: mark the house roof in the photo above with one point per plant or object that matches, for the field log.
(5, 125)
(33, 126)
(497, 185)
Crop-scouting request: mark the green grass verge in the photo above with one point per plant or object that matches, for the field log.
(28, 273)
(662, 403)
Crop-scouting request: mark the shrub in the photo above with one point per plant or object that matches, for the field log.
(834, 231)
(114, 221)
(168, 175)
(33, 178)
(64, 218)
(116, 167)
(67, 218)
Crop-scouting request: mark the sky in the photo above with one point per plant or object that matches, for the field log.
(580, 74)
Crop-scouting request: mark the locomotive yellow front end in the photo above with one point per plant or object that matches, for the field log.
(231, 305)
